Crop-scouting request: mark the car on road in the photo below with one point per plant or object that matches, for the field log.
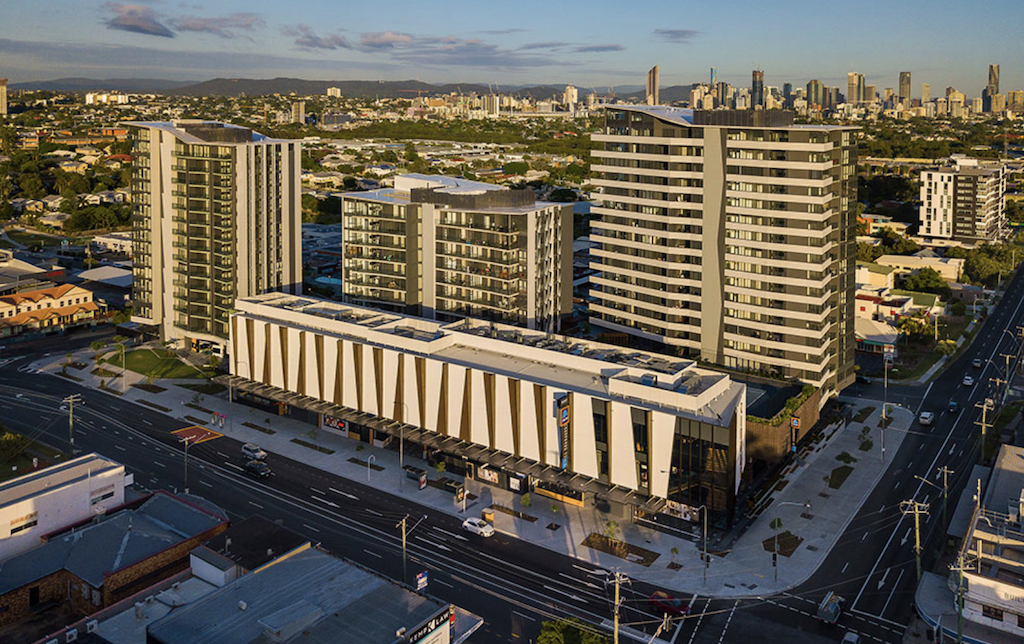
(665, 603)
(864, 380)
(926, 418)
(850, 638)
(259, 469)
(977, 363)
(953, 407)
(968, 381)
(478, 527)
(253, 452)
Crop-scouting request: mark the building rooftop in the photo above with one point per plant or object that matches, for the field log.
(584, 365)
(307, 596)
(254, 541)
(200, 131)
(774, 119)
(111, 543)
(55, 477)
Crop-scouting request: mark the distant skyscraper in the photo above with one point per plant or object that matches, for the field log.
(714, 76)
(870, 93)
(3, 97)
(1015, 100)
(991, 89)
(216, 214)
(854, 88)
(334, 91)
(299, 112)
(652, 86)
(904, 95)
(815, 93)
(926, 93)
(757, 89)
(787, 94)
(887, 94)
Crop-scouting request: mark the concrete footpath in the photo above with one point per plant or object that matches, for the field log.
(813, 512)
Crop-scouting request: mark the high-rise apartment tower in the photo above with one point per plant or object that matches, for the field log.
(216, 214)
(904, 96)
(728, 236)
(757, 89)
(652, 86)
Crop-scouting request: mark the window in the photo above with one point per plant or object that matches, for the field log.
(600, 428)
(24, 523)
(992, 613)
(104, 497)
(640, 437)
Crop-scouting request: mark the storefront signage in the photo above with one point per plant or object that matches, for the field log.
(489, 475)
(435, 622)
(564, 428)
(332, 422)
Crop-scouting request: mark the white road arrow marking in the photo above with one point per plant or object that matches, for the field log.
(903, 541)
(881, 582)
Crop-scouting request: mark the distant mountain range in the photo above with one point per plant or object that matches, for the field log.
(302, 87)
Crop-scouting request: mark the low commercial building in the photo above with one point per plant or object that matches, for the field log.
(46, 310)
(583, 420)
(37, 504)
(99, 563)
(308, 595)
(875, 275)
(949, 268)
(991, 557)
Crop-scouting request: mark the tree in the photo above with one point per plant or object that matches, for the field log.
(516, 167)
(958, 309)
(927, 280)
(525, 500)
(914, 325)
(97, 346)
(611, 529)
(946, 347)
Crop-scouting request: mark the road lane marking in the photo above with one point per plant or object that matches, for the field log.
(316, 491)
(222, 455)
(374, 512)
(895, 585)
(445, 583)
(306, 525)
(237, 467)
(253, 503)
(369, 552)
(158, 463)
(450, 534)
(325, 501)
(344, 494)
(845, 566)
(205, 483)
(701, 619)
(515, 612)
(569, 595)
(120, 448)
(726, 627)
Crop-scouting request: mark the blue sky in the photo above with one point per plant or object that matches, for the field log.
(594, 43)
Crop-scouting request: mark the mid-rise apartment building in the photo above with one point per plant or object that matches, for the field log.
(728, 236)
(216, 214)
(964, 200)
(447, 248)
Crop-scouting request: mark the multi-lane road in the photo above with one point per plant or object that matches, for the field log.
(515, 585)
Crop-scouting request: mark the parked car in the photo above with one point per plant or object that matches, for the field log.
(258, 469)
(850, 638)
(968, 381)
(953, 407)
(253, 452)
(478, 527)
(977, 363)
(926, 418)
(663, 602)
(864, 380)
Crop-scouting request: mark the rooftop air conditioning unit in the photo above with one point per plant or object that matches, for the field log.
(71, 635)
(649, 379)
(242, 605)
(91, 626)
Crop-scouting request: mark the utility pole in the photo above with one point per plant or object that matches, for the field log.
(985, 406)
(71, 400)
(959, 567)
(617, 580)
(917, 509)
(1008, 374)
(945, 471)
(401, 524)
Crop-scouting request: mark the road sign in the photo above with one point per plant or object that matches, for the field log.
(795, 422)
(422, 580)
(889, 350)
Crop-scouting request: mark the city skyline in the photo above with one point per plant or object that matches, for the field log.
(551, 44)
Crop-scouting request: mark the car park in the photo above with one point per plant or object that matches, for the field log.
(968, 381)
(926, 418)
(253, 452)
(664, 603)
(478, 527)
(977, 363)
(258, 469)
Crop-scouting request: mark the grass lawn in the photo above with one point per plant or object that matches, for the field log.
(30, 239)
(158, 362)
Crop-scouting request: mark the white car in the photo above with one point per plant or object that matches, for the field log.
(926, 418)
(478, 526)
(968, 381)
(850, 638)
(253, 452)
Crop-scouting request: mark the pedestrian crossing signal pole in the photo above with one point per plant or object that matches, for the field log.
(917, 509)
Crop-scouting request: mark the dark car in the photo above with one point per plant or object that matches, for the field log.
(953, 407)
(259, 469)
(665, 603)
(863, 379)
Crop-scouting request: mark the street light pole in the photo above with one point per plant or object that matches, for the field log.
(187, 441)
(370, 459)
(775, 550)
(704, 513)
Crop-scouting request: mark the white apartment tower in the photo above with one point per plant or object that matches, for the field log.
(963, 200)
(3, 97)
(447, 248)
(216, 215)
(729, 236)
